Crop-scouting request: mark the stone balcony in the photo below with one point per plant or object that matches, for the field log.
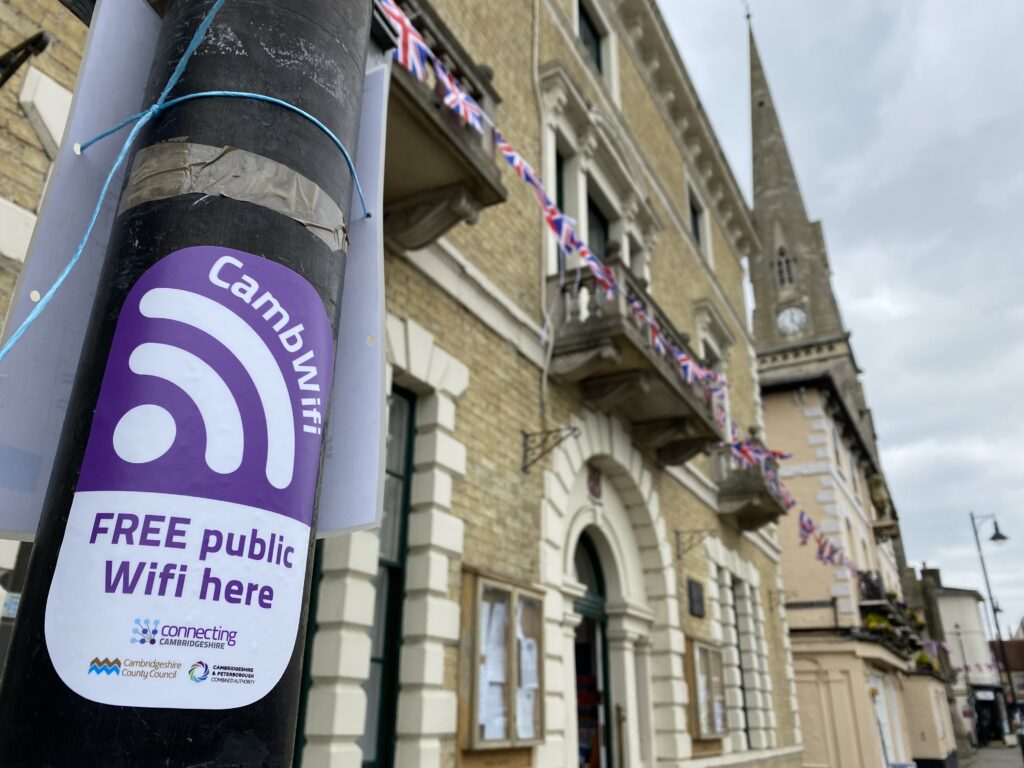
(885, 529)
(600, 346)
(886, 618)
(438, 171)
(749, 495)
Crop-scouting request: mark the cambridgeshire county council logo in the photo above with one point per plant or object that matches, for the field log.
(105, 666)
(144, 631)
(198, 672)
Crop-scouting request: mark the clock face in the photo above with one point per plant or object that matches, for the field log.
(792, 320)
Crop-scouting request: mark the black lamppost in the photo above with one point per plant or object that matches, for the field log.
(998, 537)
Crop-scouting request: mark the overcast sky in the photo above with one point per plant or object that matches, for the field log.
(905, 121)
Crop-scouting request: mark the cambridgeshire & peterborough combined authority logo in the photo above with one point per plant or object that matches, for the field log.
(199, 672)
(105, 666)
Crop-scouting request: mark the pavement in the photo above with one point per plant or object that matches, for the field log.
(999, 757)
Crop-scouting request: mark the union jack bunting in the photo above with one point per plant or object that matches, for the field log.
(636, 307)
(807, 527)
(787, 497)
(522, 168)
(655, 332)
(832, 555)
(781, 455)
(757, 452)
(720, 414)
(457, 100)
(739, 452)
(822, 544)
(687, 367)
(602, 275)
(561, 225)
(412, 53)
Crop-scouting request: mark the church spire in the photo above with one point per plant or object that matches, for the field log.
(775, 184)
(794, 302)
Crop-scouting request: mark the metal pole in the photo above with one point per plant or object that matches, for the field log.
(995, 618)
(187, 274)
(967, 683)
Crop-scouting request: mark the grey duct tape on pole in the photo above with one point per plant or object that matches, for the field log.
(164, 613)
(183, 168)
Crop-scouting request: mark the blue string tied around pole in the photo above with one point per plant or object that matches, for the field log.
(140, 119)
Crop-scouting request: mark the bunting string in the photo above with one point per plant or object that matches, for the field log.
(414, 55)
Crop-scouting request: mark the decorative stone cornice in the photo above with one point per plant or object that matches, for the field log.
(648, 38)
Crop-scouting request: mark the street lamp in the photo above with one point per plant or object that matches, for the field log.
(998, 536)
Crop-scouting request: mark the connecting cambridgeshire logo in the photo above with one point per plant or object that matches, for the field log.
(145, 630)
(199, 672)
(105, 666)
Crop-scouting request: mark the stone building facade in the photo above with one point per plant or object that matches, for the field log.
(619, 601)
(866, 696)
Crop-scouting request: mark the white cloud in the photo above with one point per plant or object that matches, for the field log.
(904, 121)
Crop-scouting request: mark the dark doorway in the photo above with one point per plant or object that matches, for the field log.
(593, 699)
(989, 728)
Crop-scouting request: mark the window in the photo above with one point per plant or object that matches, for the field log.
(837, 449)
(784, 268)
(695, 597)
(710, 692)
(854, 471)
(508, 700)
(696, 219)
(560, 181)
(378, 739)
(597, 230)
(591, 36)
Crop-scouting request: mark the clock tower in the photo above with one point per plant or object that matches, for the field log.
(791, 277)
(798, 331)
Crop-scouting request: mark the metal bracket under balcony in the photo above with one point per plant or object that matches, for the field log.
(600, 346)
(438, 171)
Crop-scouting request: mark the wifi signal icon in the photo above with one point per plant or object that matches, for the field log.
(147, 432)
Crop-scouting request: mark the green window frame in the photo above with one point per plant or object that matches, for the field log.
(598, 230)
(386, 634)
(378, 739)
(590, 35)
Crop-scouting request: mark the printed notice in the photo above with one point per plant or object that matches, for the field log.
(179, 582)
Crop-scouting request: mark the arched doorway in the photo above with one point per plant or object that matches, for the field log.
(593, 694)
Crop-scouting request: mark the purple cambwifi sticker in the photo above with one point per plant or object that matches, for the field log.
(196, 493)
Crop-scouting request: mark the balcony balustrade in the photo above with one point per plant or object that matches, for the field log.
(602, 345)
(748, 493)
